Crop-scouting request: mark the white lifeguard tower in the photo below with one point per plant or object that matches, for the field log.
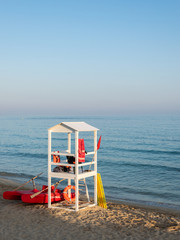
(72, 128)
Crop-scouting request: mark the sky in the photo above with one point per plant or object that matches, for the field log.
(89, 57)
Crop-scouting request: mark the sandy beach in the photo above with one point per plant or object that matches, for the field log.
(119, 221)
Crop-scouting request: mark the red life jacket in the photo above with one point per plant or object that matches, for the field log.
(56, 158)
(81, 150)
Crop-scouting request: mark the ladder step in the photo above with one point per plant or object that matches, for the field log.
(82, 183)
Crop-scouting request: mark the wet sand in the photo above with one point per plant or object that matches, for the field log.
(120, 221)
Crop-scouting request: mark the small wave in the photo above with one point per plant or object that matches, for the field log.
(141, 192)
(13, 145)
(167, 168)
(25, 155)
(22, 177)
(18, 175)
(141, 165)
(145, 151)
(59, 139)
(159, 205)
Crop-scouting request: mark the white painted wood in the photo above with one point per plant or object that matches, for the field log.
(62, 175)
(62, 154)
(71, 165)
(69, 142)
(72, 127)
(83, 205)
(89, 153)
(89, 205)
(76, 172)
(86, 164)
(87, 193)
(49, 169)
(71, 175)
(60, 128)
(79, 126)
(95, 167)
(73, 210)
(69, 191)
(67, 153)
(86, 174)
(63, 208)
(62, 164)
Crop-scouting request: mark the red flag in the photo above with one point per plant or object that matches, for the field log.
(99, 143)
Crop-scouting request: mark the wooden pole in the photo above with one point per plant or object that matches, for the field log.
(76, 172)
(95, 151)
(95, 167)
(92, 161)
(27, 182)
(69, 150)
(36, 194)
(69, 142)
(49, 168)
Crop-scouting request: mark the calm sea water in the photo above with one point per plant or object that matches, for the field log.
(139, 157)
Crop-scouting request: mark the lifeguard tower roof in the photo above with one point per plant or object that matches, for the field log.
(69, 127)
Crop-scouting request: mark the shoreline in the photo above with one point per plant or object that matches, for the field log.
(148, 207)
(119, 221)
(154, 206)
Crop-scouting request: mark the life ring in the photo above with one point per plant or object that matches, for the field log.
(65, 193)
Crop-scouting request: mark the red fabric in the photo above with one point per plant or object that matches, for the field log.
(81, 150)
(99, 143)
(56, 158)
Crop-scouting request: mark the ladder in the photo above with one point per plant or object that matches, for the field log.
(82, 184)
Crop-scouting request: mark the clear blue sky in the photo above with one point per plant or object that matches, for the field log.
(89, 56)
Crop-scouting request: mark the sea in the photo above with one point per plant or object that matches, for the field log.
(138, 159)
